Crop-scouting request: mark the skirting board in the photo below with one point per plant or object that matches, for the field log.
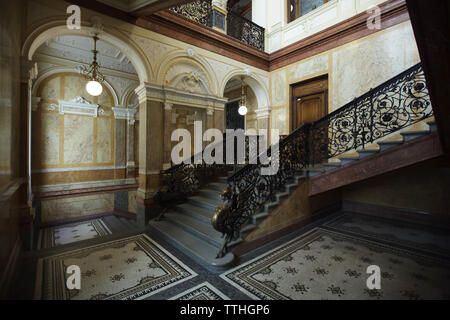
(407, 215)
(10, 268)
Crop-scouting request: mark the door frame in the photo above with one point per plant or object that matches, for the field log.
(293, 99)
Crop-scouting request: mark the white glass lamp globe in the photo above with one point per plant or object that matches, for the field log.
(94, 88)
(242, 110)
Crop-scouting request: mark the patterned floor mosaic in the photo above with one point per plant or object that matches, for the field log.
(129, 268)
(204, 291)
(70, 233)
(324, 264)
(427, 239)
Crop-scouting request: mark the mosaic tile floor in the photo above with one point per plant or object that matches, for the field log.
(70, 233)
(326, 260)
(130, 268)
(428, 239)
(329, 265)
(204, 291)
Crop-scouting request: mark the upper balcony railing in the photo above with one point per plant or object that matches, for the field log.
(237, 26)
(245, 30)
(197, 11)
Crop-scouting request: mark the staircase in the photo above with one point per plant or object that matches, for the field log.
(381, 146)
(205, 224)
(188, 226)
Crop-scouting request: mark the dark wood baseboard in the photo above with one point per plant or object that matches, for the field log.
(400, 214)
(9, 270)
(246, 247)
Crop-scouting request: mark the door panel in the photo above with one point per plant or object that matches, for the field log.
(310, 102)
(310, 109)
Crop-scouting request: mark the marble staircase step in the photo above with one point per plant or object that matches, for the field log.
(433, 126)
(205, 203)
(367, 153)
(348, 160)
(195, 212)
(412, 135)
(202, 230)
(198, 249)
(385, 145)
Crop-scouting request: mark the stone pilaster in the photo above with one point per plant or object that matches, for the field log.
(131, 162)
(218, 15)
(151, 152)
(210, 118)
(169, 126)
(124, 142)
(29, 72)
(263, 120)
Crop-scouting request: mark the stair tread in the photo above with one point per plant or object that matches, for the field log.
(196, 210)
(210, 192)
(184, 239)
(389, 142)
(212, 202)
(195, 225)
(412, 133)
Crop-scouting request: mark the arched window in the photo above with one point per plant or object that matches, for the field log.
(298, 8)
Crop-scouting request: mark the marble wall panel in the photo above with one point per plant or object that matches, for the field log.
(49, 144)
(59, 209)
(78, 139)
(104, 129)
(365, 64)
(132, 207)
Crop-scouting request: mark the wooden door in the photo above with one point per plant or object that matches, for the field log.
(310, 102)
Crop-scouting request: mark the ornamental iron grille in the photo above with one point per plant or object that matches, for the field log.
(245, 30)
(238, 27)
(394, 105)
(187, 178)
(197, 11)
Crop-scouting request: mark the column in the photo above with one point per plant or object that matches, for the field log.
(120, 148)
(168, 129)
(210, 119)
(29, 73)
(131, 164)
(151, 144)
(218, 15)
(263, 120)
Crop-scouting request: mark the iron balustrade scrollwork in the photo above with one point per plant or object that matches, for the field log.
(396, 104)
(245, 30)
(197, 11)
(238, 27)
(191, 175)
(248, 189)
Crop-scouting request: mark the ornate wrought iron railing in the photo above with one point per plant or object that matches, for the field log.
(237, 27)
(394, 105)
(245, 30)
(197, 11)
(190, 176)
